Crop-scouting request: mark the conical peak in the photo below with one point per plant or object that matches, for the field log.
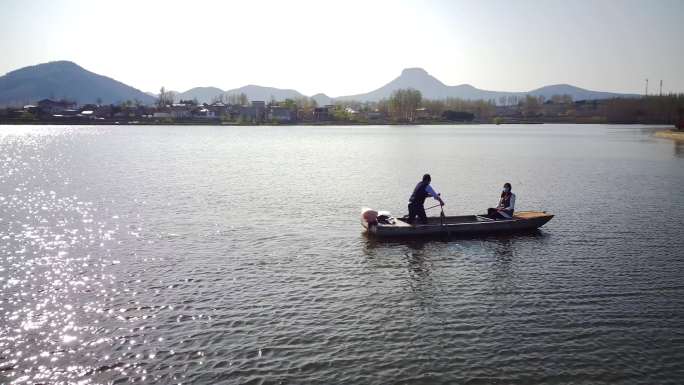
(415, 71)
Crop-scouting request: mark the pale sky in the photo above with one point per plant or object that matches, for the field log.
(349, 47)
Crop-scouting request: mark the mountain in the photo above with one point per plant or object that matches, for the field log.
(322, 99)
(202, 94)
(416, 78)
(432, 88)
(576, 92)
(64, 79)
(254, 92)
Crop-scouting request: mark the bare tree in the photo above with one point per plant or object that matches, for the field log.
(403, 104)
(165, 98)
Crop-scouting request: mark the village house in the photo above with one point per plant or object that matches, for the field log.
(324, 113)
(164, 114)
(260, 109)
(87, 114)
(14, 113)
(52, 107)
(180, 111)
(219, 109)
(552, 109)
(374, 115)
(233, 111)
(69, 112)
(508, 111)
(88, 107)
(256, 112)
(30, 108)
(351, 112)
(247, 114)
(590, 108)
(281, 114)
(87, 111)
(205, 113)
(422, 113)
(129, 112)
(103, 112)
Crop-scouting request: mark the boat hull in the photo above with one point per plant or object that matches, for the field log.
(462, 225)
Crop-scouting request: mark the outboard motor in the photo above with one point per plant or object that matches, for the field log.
(369, 217)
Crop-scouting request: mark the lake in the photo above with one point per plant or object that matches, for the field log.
(204, 255)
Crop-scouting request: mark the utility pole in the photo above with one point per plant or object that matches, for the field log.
(646, 92)
(661, 88)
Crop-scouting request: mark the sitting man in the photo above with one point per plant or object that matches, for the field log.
(420, 193)
(506, 205)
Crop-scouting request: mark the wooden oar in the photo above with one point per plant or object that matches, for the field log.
(442, 217)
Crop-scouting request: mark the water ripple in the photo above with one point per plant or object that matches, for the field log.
(214, 255)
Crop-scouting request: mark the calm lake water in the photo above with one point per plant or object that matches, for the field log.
(235, 255)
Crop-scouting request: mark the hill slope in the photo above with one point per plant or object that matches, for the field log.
(255, 92)
(432, 88)
(202, 94)
(64, 79)
(576, 92)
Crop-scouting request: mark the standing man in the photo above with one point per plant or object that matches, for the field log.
(420, 193)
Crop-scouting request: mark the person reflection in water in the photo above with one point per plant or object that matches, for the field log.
(506, 206)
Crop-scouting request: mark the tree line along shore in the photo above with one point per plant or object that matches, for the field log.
(404, 106)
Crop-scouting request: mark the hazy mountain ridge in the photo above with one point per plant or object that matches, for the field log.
(432, 88)
(322, 99)
(64, 79)
(576, 92)
(253, 92)
(202, 94)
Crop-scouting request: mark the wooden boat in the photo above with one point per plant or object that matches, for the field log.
(455, 225)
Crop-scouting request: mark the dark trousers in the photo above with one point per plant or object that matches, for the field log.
(417, 210)
(494, 214)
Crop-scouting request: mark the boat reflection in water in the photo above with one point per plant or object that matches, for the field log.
(433, 275)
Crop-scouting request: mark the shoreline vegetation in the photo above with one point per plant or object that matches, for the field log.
(672, 133)
(404, 106)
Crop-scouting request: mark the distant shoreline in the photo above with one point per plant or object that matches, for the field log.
(671, 133)
(232, 124)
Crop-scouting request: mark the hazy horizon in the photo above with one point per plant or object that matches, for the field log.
(316, 47)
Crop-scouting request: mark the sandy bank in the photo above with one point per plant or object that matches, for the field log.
(671, 134)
